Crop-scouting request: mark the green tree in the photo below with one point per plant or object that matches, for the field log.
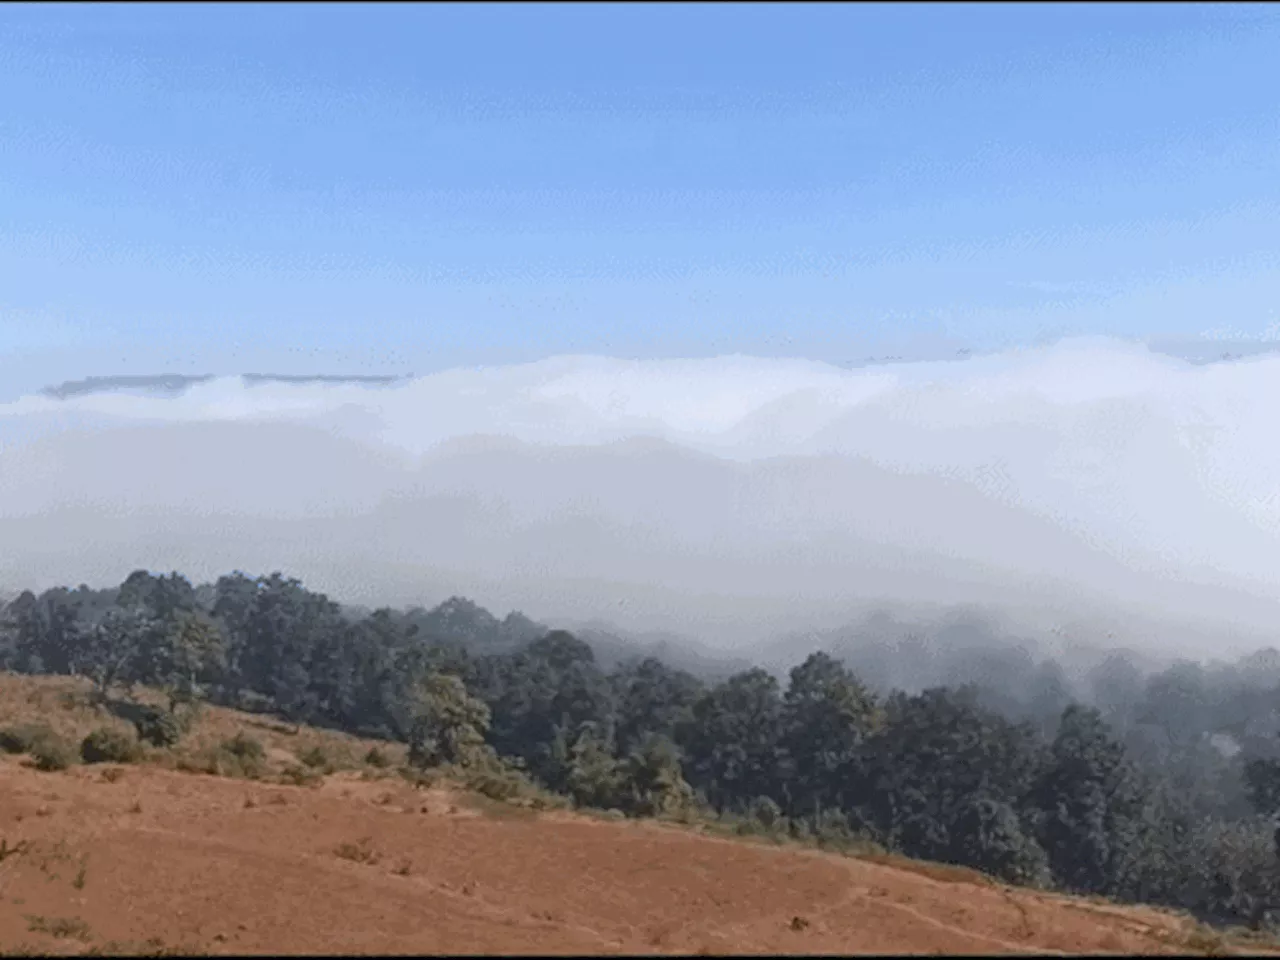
(9, 643)
(827, 715)
(54, 633)
(593, 777)
(553, 684)
(1237, 871)
(989, 835)
(25, 628)
(116, 649)
(235, 596)
(1165, 854)
(1262, 783)
(161, 597)
(449, 724)
(652, 781)
(1090, 804)
(732, 740)
(652, 697)
(282, 627)
(942, 765)
(1178, 702)
(193, 651)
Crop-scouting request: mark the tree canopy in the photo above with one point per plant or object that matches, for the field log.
(1159, 787)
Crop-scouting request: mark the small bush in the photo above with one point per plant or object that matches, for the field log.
(503, 786)
(245, 747)
(800, 830)
(106, 745)
(234, 765)
(241, 756)
(301, 776)
(549, 801)
(506, 783)
(766, 813)
(317, 758)
(187, 714)
(1207, 941)
(160, 728)
(419, 779)
(75, 700)
(22, 738)
(222, 763)
(376, 758)
(361, 851)
(832, 831)
(747, 827)
(857, 845)
(52, 753)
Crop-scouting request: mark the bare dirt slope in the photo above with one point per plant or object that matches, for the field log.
(142, 858)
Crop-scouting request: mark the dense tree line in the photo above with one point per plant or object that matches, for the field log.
(1154, 787)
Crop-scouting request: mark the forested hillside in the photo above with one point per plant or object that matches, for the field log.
(1154, 787)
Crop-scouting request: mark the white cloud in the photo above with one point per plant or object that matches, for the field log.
(1087, 472)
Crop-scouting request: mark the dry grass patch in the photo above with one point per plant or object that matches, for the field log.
(60, 928)
(362, 851)
(939, 872)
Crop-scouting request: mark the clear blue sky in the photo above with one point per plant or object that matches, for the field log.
(330, 188)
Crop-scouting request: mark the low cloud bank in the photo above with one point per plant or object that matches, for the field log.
(1091, 482)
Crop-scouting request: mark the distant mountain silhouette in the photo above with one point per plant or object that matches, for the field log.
(177, 383)
(1194, 350)
(1201, 351)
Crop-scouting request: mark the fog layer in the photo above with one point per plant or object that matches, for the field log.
(1092, 482)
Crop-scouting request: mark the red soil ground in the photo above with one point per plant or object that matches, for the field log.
(213, 865)
(140, 858)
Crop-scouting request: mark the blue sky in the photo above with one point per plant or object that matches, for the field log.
(405, 188)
